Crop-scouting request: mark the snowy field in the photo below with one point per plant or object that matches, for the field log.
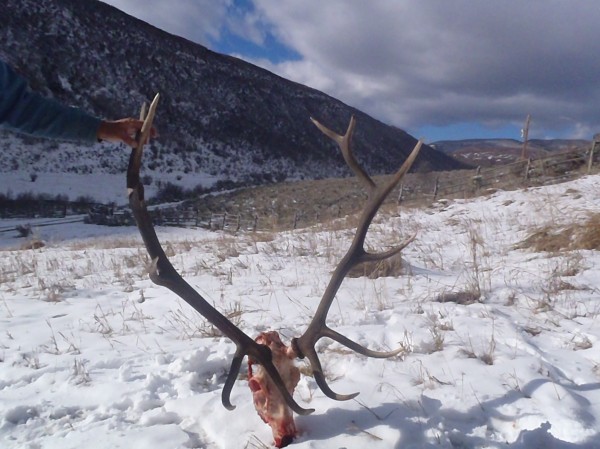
(101, 187)
(93, 355)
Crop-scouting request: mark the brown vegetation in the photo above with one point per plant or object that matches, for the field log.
(576, 236)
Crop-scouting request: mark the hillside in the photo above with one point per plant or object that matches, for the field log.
(496, 311)
(220, 117)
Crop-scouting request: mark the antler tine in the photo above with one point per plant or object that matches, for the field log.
(164, 274)
(374, 257)
(304, 346)
(344, 143)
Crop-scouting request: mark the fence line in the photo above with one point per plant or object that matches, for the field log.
(522, 173)
(417, 188)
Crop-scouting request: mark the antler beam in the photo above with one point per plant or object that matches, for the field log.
(164, 274)
(304, 346)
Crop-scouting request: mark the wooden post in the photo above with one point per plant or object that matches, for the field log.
(436, 187)
(527, 168)
(525, 135)
(595, 142)
(477, 179)
(399, 201)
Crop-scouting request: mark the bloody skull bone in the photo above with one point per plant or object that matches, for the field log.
(268, 401)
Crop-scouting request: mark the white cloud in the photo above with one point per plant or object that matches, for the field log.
(412, 63)
(439, 62)
(197, 20)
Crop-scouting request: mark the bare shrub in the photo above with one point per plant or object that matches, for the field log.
(33, 244)
(24, 230)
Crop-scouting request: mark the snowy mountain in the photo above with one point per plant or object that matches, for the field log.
(219, 118)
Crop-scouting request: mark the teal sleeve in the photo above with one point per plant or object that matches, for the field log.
(30, 113)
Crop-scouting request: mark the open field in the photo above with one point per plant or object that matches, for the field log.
(496, 305)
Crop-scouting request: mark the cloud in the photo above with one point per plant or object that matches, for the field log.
(440, 62)
(418, 63)
(198, 20)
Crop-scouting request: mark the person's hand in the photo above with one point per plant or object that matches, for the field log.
(123, 130)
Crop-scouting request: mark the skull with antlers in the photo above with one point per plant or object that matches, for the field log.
(275, 379)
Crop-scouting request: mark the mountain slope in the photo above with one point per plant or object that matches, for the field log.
(219, 116)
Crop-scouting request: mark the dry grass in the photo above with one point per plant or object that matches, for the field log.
(576, 236)
(34, 243)
(464, 298)
(392, 267)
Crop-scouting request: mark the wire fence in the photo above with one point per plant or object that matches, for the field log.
(417, 188)
(553, 169)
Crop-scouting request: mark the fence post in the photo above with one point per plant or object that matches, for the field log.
(399, 200)
(436, 187)
(525, 134)
(527, 168)
(477, 180)
(595, 142)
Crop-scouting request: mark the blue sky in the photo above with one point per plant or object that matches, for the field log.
(438, 69)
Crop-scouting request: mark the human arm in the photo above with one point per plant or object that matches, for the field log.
(123, 130)
(28, 112)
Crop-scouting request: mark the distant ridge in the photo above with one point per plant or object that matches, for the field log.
(501, 151)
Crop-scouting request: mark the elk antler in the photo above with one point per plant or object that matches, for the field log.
(304, 346)
(163, 273)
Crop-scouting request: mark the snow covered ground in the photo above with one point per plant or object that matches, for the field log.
(101, 187)
(93, 355)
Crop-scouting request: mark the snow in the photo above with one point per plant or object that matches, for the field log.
(101, 187)
(92, 354)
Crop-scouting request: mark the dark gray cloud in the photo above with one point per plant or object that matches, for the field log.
(441, 62)
(434, 62)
